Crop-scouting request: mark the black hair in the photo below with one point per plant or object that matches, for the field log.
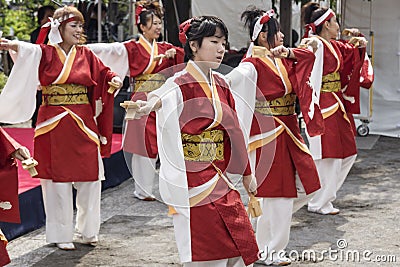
(272, 27)
(151, 10)
(310, 12)
(200, 27)
(42, 11)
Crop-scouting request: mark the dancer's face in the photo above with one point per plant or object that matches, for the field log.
(332, 27)
(211, 52)
(153, 28)
(71, 33)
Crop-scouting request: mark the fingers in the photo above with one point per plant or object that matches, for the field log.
(170, 53)
(280, 51)
(24, 152)
(21, 153)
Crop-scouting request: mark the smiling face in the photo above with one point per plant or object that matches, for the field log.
(152, 29)
(71, 33)
(211, 52)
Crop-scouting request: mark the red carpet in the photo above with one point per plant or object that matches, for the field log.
(25, 137)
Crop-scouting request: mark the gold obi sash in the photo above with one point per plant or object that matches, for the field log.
(207, 146)
(282, 106)
(149, 82)
(64, 94)
(331, 82)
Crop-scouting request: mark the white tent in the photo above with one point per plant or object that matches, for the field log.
(382, 18)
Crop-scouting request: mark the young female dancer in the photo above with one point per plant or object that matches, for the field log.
(74, 125)
(199, 140)
(266, 85)
(144, 59)
(339, 73)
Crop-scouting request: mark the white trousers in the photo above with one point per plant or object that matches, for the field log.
(143, 172)
(332, 173)
(231, 262)
(273, 226)
(58, 205)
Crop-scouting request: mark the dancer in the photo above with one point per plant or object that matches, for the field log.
(200, 140)
(339, 74)
(9, 205)
(74, 122)
(144, 59)
(266, 85)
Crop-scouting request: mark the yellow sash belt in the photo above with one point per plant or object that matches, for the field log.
(64, 94)
(149, 82)
(282, 106)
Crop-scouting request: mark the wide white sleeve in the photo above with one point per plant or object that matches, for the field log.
(243, 82)
(172, 177)
(18, 98)
(113, 55)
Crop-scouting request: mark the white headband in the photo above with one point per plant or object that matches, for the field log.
(54, 24)
(260, 22)
(321, 19)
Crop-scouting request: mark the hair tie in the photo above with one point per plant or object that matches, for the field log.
(183, 28)
(138, 11)
(260, 22)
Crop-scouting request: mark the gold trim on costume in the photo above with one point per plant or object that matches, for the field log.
(64, 94)
(331, 82)
(207, 146)
(279, 69)
(67, 62)
(264, 141)
(149, 82)
(281, 106)
(333, 51)
(153, 52)
(210, 91)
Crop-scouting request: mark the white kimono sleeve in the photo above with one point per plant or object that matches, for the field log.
(243, 82)
(113, 55)
(18, 98)
(172, 178)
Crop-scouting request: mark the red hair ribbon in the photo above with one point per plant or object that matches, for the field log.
(138, 11)
(183, 28)
(51, 23)
(309, 29)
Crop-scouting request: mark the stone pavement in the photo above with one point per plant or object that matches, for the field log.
(137, 233)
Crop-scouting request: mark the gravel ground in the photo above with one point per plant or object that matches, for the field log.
(136, 233)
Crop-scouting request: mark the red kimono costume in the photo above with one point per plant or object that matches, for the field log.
(335, 151)
(198, 135)
(9, 205)
(280, 151)
(339, 97)
(75, 119)
(140, 135)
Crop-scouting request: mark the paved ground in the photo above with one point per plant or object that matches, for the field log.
(136, 233)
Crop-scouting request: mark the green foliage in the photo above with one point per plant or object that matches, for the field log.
(3, 80)
(19, 17)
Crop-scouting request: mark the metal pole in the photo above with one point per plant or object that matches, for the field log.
(99, 31)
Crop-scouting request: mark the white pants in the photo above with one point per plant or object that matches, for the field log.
(332, 173)
(232, 262)
(273, 226)
(143, 172)
(58, 205)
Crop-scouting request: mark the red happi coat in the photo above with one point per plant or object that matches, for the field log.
(140, 135)
(283, 154)
(338, 140)
(67, 147)
(216, 227)
(9, 203)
